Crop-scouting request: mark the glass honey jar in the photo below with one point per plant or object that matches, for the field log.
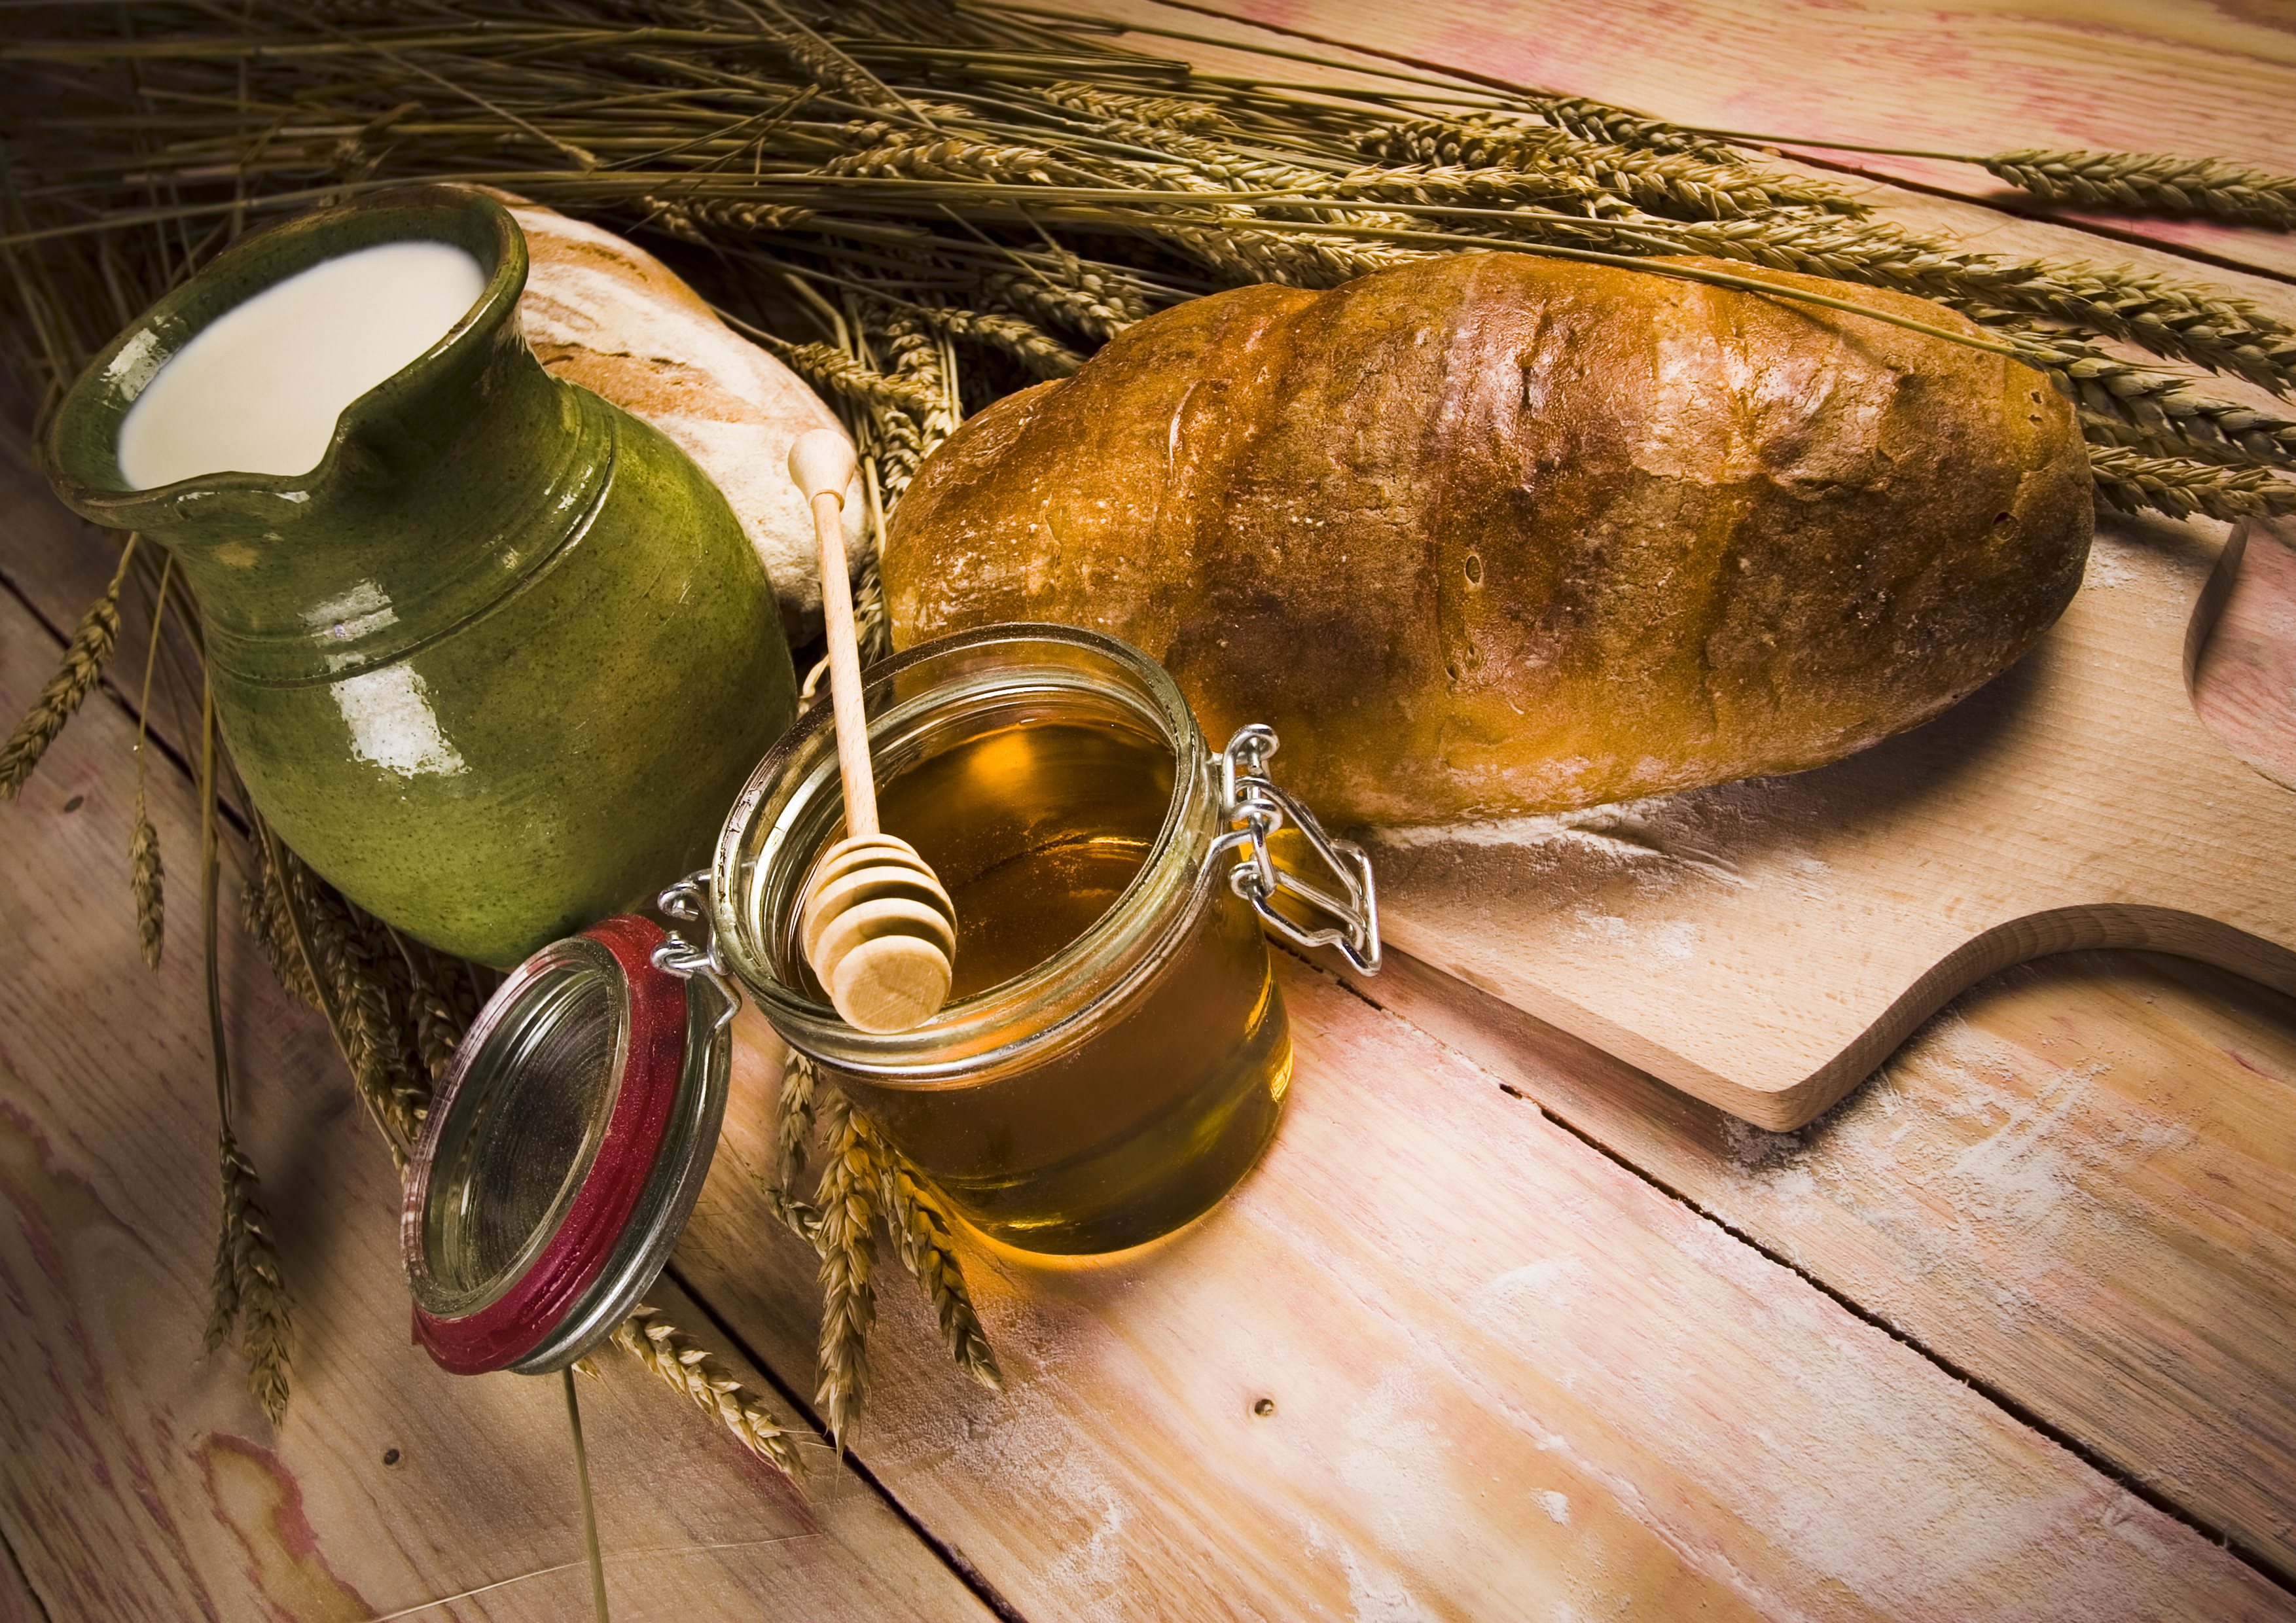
(1114, 1054)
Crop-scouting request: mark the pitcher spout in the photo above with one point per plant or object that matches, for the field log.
(423, 507)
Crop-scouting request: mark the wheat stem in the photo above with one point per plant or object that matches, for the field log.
(247, 1287)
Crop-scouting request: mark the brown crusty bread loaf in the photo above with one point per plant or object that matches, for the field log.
(1496, 535)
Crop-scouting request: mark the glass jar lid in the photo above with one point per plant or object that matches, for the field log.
(564, 1149)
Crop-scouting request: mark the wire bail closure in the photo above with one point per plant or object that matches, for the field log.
(1249, 797)
(688, 902)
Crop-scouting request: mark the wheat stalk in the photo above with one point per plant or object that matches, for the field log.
(845, 1235)
(1667, 181)
(246, 1289)
(690, 1368)
(2152, 183)
(2179, 488)
(921, 1239)
(83, 662)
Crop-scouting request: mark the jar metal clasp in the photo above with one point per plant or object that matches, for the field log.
(1249, 798)
(688, 902)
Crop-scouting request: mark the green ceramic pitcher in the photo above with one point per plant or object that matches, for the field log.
(499, 663)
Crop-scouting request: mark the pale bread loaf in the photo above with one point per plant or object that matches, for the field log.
(605, 314)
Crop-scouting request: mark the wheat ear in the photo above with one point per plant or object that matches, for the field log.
(830, 369)
(692, 219)
(792, 1127)
(690, 1368)
(1592, 120)
(247, 1288)
(338, 976)
(2153, 183)
(1086, 300)
(1668, 183)
(2179, 488)
(1035, 349)
(846, 1237)
(83, 662)
(922, 1240)
(144, 874)
(1173, 113)
(263, 915)
(915, 156)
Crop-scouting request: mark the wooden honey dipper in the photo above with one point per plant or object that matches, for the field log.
(876, 925)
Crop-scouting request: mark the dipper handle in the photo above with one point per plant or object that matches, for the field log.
(877, 926)
(821, 464)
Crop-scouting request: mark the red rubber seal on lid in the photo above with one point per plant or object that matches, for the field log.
(514, 1324)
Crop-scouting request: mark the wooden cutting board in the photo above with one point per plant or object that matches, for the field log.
(1764, 944)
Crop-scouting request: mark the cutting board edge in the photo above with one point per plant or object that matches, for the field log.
(1792, 1102)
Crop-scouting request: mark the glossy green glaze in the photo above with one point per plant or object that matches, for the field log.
(499, 664)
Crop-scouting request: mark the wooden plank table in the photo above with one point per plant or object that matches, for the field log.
(2004, 1335)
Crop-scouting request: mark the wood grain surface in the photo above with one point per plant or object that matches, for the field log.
(2076, 1186)
(1509, 1377)
(136, 1478)
(2241, 655)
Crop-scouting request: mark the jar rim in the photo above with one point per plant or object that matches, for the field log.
(961, 1042)
(626, 1194)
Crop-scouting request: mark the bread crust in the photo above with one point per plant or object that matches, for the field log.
(1496, 535)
